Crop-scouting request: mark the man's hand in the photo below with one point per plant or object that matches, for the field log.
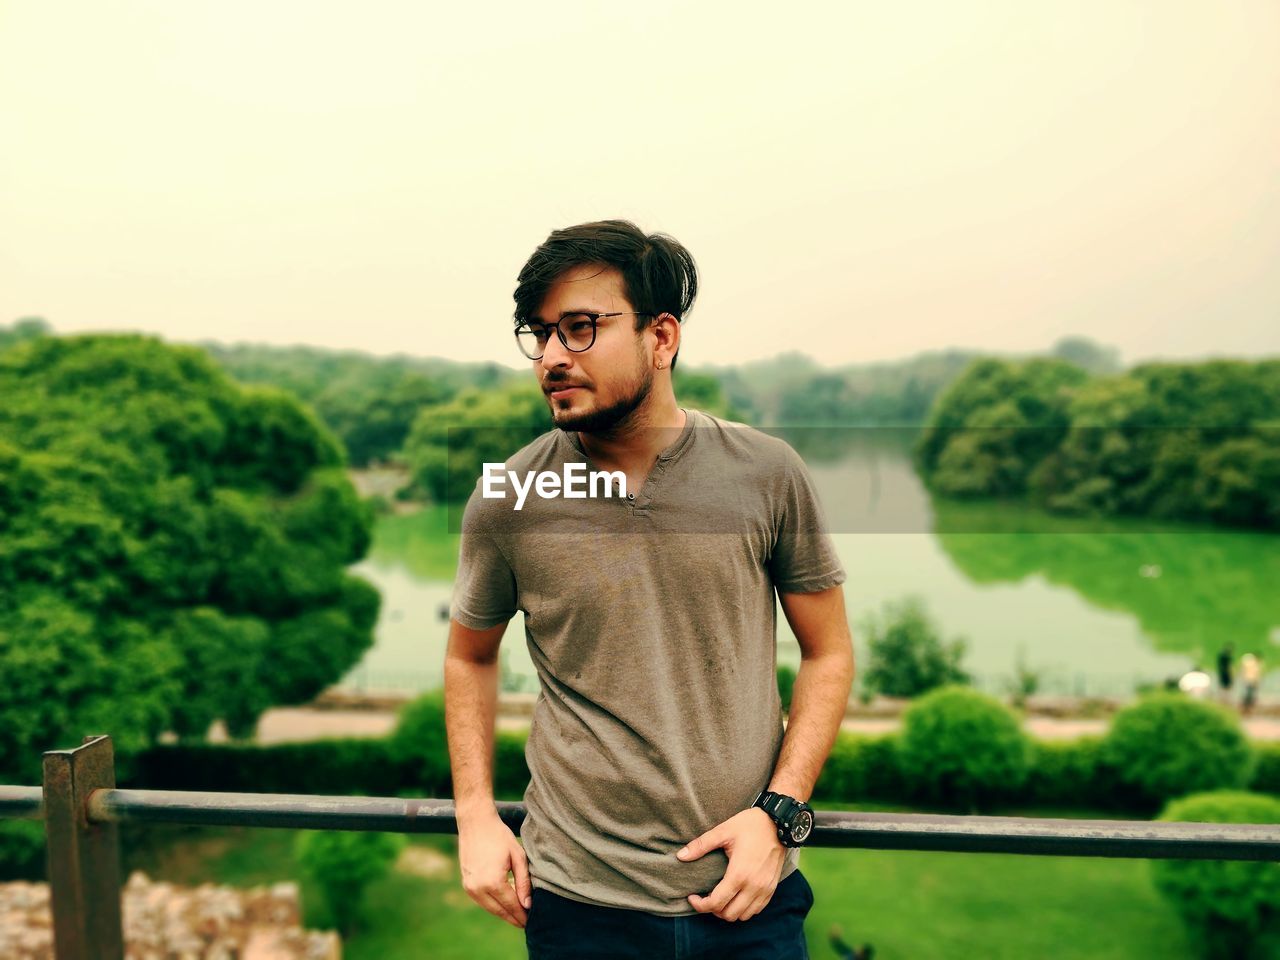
(487, 851)
(756, 856)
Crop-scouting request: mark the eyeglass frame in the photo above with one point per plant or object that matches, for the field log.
(595, 319)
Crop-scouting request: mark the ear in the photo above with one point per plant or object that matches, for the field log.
(667, 329)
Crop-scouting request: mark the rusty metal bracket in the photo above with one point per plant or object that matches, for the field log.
(83, 856)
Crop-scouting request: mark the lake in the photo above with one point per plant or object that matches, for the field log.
(1097, 606)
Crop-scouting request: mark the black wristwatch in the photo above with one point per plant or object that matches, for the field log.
(793, 817)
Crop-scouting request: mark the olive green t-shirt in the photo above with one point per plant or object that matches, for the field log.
(651, 623)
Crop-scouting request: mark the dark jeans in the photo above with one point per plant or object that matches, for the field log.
(560, 928)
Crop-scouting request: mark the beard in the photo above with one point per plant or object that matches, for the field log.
(606, 419)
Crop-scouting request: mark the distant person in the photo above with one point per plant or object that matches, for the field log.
(1195, 682)
(1250, 678)
(1225, 659)
(846, 952)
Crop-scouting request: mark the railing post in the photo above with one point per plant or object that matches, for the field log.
(83, 857)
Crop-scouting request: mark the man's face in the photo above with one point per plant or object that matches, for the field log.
(596, 389)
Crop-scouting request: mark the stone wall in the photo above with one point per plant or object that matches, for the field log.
(167, 922)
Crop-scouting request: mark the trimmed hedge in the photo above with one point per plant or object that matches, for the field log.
(1067, 773)
(1266, 776)
(22, 854)
(419, 744)
(338, 766)
(861, 767)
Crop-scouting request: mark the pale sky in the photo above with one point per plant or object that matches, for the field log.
(861, 181)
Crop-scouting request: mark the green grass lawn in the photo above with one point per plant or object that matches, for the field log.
(945, 906)
(909, 905)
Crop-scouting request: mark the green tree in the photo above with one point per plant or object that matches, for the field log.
(173, 548)
(1238, 482)
(369, 402)
(702, 391)
(991, 428)
(449, 443)
(1176, 441)
(907, 655)
(1087, 354)
(374, 421)
(26, 328)
(898, 393)
(1171, 440)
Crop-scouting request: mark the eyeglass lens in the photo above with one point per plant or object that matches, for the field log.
(577, 331)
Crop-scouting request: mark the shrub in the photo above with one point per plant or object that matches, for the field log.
(861, 768)
(343, 863)
(420, 742)
(1230, 907)
(1266, 775)
(907, 656)
(1065, 773)
(510, 768)
(22, 855)
(962, 748)
(338, 765)
(786, 684)
(1168, 744)
(1026, 680)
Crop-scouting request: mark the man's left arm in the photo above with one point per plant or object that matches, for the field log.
(818, 704)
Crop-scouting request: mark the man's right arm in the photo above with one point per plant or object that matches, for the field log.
(487, 849)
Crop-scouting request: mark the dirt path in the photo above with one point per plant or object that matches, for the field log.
(291, 724)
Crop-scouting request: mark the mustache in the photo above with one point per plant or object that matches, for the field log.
(550, 384)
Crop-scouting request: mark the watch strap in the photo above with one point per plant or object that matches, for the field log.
(779, 806)
(783, 811)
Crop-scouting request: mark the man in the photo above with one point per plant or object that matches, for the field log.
(1250, 676)
(665, 807)
(1226, 657)
(1195, 682)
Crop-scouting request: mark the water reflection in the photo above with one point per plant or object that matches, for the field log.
(1099, 605)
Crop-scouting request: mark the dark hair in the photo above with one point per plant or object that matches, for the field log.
(658, 274)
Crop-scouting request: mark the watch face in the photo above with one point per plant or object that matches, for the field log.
(802, 826)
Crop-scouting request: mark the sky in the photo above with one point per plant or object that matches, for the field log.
(860, 181)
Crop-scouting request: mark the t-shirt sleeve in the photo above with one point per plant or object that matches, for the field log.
(804, 558)
(484, 589)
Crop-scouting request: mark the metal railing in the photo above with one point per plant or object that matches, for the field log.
(81, 808)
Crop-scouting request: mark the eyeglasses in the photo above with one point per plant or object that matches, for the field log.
(577, 331)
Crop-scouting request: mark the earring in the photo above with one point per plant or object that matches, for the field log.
(659, 364)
